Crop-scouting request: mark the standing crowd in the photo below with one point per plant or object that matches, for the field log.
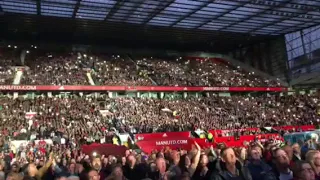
(91, 117)
(255, 161)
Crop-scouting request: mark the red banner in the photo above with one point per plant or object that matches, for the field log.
(247, 138)
(148, 146)
(217, 132)
(106, 149)
(231, 142)
(151, 136)
(136, 88)
(303, 128)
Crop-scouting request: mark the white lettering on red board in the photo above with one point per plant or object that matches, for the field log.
(216, 88)
(11, 87)
(171, 142)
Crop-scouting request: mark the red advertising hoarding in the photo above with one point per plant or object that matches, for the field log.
(138, 88)
(164, 135)
(291, 128)
(104, 149)
(173, 143)
(216, 132)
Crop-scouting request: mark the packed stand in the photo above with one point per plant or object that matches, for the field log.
(7, 71)
(55, 69)
(115, 70)
(71, 69)
(255, 161)
(205, 72)
(84, 118)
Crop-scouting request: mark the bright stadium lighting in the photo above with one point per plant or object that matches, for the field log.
(15, 47)
(84, 55)
(27, 52)
(9, 46)
(35, 47)
(91, 57)
(50, 56)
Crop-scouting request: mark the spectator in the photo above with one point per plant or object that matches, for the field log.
(303, 171)
(160, 173)
(117, 174)
(258, 168)
(296, 152)
(132, 170)
(97, 166)
(33, 173)
(202, 172)
(188, 167)
(313, 158)
(229, 168)
(282, 162)
(93, 175)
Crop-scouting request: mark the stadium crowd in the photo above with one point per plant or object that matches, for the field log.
(204, 72)
(78, 119)
(55, 70)
(256, 161)
(81, 117)
(6, 72)
(75, 120)
(115, 70)
(72, 69)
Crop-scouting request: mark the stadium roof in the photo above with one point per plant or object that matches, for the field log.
(214, 21)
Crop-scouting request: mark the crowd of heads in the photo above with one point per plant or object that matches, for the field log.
(55, 70)
(115, 70)
(89, 116)
(201, 72)
(6, 70)
(269, 160)
(75, 68)
(71, 120)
